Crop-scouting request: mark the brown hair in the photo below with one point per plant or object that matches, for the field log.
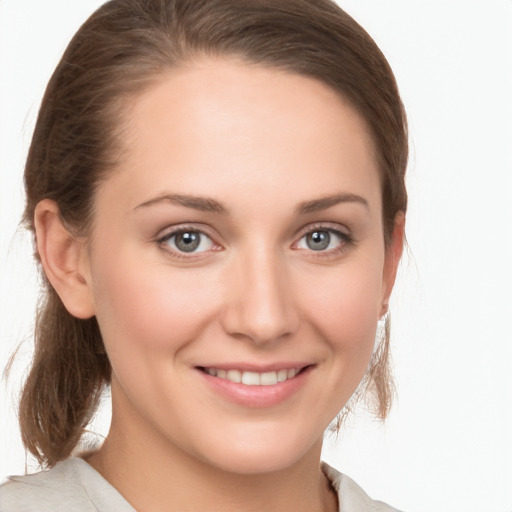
(118, 52)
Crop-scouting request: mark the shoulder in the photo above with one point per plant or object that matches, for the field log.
(70, 485)
(351, 497)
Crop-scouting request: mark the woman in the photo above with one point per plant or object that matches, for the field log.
(216, 190)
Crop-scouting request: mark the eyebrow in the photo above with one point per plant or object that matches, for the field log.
(206, 204)
(203, 204)
(324, 203)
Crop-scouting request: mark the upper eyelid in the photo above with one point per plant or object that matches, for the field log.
(324, 226)
(345, 235)
(167, 234)
(170, 231)
(182, 228)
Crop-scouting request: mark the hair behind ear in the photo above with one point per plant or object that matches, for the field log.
(377, 388)
(63, 388)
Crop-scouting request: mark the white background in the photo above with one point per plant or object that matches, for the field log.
(447, 445)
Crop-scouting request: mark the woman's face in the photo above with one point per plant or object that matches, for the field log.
(240, 239)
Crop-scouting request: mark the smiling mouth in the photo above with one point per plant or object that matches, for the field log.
(254, 378)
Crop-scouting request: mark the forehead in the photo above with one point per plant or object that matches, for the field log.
(229, 128)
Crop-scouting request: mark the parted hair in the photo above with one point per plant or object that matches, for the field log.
(117, 53)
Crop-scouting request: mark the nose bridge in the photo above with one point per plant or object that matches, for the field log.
(261, 306)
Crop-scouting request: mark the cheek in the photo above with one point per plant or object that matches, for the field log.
(342, 307)
(345, 305)
(149, 309)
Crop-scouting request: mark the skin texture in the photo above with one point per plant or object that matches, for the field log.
(260, 143)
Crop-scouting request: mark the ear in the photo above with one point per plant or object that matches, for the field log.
(394, 251)
(64, 260)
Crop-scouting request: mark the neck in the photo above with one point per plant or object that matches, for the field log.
(153, 474)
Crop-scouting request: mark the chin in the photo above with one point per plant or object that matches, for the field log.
(257, 455)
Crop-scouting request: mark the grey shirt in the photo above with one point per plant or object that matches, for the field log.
(77, 486)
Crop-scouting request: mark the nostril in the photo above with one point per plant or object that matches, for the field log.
(260, 305)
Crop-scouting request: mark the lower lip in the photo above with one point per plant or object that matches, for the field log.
(257, 396)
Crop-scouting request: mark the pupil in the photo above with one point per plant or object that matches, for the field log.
(318, 240)
(187, 242)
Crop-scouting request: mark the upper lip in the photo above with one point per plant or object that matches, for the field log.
(258, 368)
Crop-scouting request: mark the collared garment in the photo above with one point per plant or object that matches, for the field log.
(74, 485)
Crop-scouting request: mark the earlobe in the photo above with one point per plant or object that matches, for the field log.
(63, 259)
(393, 255)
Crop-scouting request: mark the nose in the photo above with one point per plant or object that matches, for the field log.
(260, 305)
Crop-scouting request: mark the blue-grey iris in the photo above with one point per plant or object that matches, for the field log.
(318, 240)
(188, 241)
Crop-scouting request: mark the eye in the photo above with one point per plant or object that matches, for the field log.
(323, 240)
(188, 241)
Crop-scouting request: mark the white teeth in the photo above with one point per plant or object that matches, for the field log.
(292, 373)
(234, 376)
(282, 375)
(254, 378)
(251, 378)
(268, 378)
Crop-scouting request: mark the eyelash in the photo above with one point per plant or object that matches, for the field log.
(346, 240)
(164, 240)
